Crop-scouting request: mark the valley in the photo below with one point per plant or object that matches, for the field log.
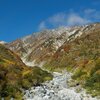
(57, 89)
(57, 64)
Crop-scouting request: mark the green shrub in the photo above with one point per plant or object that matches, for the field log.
(78, 74)
(90, 82)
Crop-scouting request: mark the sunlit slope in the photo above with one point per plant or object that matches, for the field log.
(81, 57)
(15, 75)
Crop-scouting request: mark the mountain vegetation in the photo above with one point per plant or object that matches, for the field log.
(82, 58)
(74, 49)
(15, 75)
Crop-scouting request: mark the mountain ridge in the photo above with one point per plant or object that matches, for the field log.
(75, 49)
(47, 42)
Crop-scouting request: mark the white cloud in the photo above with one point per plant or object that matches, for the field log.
(89, 11)
(97, 15)
(92, 14)
(42, 26)
(58, 19)
(75, 19)
(71, 18)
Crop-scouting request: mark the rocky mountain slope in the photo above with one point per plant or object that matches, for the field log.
(82, 57)
(75, 49)
(15, 75)
(40, 46)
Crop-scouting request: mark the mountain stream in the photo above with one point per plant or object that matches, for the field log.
(56, 89)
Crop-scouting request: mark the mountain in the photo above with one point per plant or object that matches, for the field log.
(39, 47)
(15, 75)
(75, 49)
(81, 56)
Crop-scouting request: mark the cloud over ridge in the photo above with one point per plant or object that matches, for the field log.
(70, 19)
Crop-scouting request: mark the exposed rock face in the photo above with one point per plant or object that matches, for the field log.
(41, 46)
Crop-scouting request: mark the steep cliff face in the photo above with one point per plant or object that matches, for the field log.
(41, 46)
(15, 75)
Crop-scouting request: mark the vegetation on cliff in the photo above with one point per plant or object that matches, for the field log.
(82, 58)
(15, 75)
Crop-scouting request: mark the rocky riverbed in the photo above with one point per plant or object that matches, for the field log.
(57, 89)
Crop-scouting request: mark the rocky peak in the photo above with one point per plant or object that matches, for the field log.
(40, 46)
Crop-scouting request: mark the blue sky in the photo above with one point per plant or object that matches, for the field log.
(19, 18)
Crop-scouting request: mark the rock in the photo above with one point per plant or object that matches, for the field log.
(56, 89)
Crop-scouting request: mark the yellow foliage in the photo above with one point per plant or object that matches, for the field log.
(26, 72)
